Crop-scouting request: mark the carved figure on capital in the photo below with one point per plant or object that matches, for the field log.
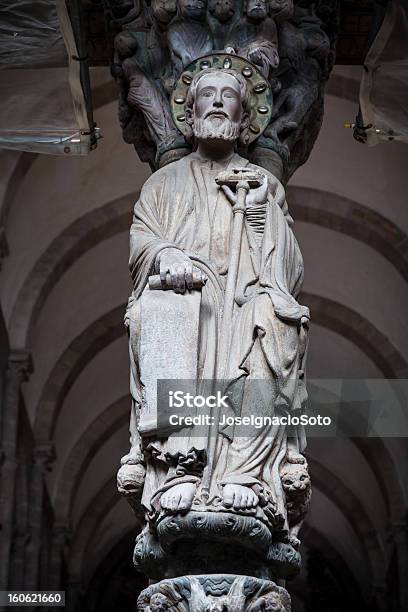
(189, 36)
(290, 42)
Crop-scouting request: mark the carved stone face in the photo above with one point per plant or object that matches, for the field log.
(218, 108)
(295, 479)
(159, 603)
(268, 603)
(256, 9)
(281, 8)
(193, 9)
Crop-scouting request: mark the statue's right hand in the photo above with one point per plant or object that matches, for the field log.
(180, 267)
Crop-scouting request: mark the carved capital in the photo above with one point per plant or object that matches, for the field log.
(398, 531)
(21, 537)
(20, 366)
(61, 534)
(44, 456)
(160, 44)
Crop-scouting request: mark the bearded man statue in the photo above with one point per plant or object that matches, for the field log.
(181, 232)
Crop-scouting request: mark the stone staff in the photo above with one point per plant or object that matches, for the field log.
(242, 179)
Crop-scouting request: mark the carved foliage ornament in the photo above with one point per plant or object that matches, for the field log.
(215, 593)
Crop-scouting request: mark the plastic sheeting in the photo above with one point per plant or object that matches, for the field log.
(42, 104)
(384, 85)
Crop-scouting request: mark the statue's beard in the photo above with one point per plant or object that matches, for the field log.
(216, 128)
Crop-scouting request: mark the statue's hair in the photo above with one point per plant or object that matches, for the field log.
(197, 78)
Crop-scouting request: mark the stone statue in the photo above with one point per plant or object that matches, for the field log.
(306, 61)
(189, 36)
(144, 112)
(298, 491)
(255, 37)
(224, 100)
(291, 42)
(216, 270)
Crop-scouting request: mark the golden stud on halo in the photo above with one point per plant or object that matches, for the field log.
(187, 78)
(260, 87)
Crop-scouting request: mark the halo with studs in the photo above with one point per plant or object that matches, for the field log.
(260, 96)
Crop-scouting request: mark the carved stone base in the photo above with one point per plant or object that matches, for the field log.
(216, 542)
(214, 593)
(223, 526)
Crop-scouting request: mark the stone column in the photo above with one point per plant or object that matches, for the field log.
(380, 596)
(20, 540)
(224, 510)
(400, 536)
(3, 245)
(43, 456)
(61, 535)
(19, 368)
(73, 594)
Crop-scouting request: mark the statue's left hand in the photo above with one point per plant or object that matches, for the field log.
(255, 196)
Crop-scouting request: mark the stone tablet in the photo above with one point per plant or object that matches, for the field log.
(169, 327)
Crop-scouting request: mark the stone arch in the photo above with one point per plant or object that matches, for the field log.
(349, 504)
(78, 238)
(114, 567)
(355, 220)
(102, 502)
(378, 348)
(385, 469)
(21, 168)
(316, 540)
(111, 419)
(353, 326)
(79, 353)
(101, 95)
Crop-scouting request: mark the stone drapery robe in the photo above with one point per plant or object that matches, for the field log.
(181, 206)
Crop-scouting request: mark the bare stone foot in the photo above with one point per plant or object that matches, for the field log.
(239, 497)
(178, 498)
